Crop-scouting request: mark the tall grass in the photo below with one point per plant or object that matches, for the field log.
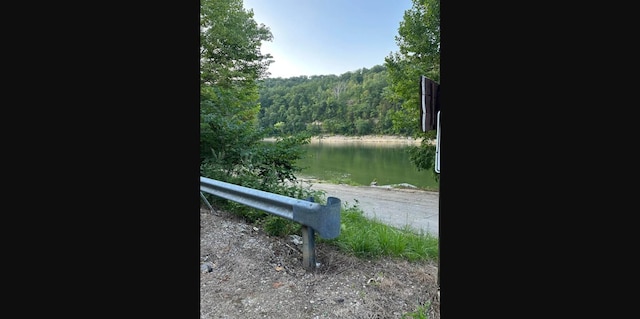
(369, 238)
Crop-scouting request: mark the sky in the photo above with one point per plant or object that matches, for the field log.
(323, 37)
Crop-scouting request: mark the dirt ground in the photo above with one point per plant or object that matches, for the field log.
(248, 274)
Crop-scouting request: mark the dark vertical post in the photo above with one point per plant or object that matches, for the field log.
(430, 120)
(439, 150)
(308, 248)
(308, 245)
(438, 275)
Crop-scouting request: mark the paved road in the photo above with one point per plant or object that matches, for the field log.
(396, 207)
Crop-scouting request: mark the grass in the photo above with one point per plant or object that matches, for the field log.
(420, 313)
(369, 238)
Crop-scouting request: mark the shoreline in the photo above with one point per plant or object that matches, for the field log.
(344, 139)
(310, 180)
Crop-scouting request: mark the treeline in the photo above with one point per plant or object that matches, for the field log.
(354, 103)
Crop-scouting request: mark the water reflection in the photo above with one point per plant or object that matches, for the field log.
(363, 163)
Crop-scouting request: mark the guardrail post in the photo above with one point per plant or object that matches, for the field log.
(308, 248)
(308, 245)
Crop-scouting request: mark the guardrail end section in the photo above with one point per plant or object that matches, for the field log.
(325, 220)
(331, 219)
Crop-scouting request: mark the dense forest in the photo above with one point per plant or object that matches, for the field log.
(354, 103)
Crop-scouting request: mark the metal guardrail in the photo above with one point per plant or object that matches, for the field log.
(312, 216)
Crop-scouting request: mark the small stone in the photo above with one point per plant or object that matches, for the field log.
(296, 239)
(206, 267)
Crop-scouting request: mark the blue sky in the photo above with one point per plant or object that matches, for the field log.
(321, 37)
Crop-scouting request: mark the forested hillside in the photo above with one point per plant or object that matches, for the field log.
(353, 103)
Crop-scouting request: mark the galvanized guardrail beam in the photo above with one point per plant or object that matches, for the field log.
(312, 216)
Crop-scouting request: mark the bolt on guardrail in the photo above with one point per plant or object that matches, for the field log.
(312, 216)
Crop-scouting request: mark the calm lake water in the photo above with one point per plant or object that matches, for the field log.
(362, 163)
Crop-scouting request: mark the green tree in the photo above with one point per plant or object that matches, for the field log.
(329, 103)
(230, 41)
(418, 41)
(231, 64)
